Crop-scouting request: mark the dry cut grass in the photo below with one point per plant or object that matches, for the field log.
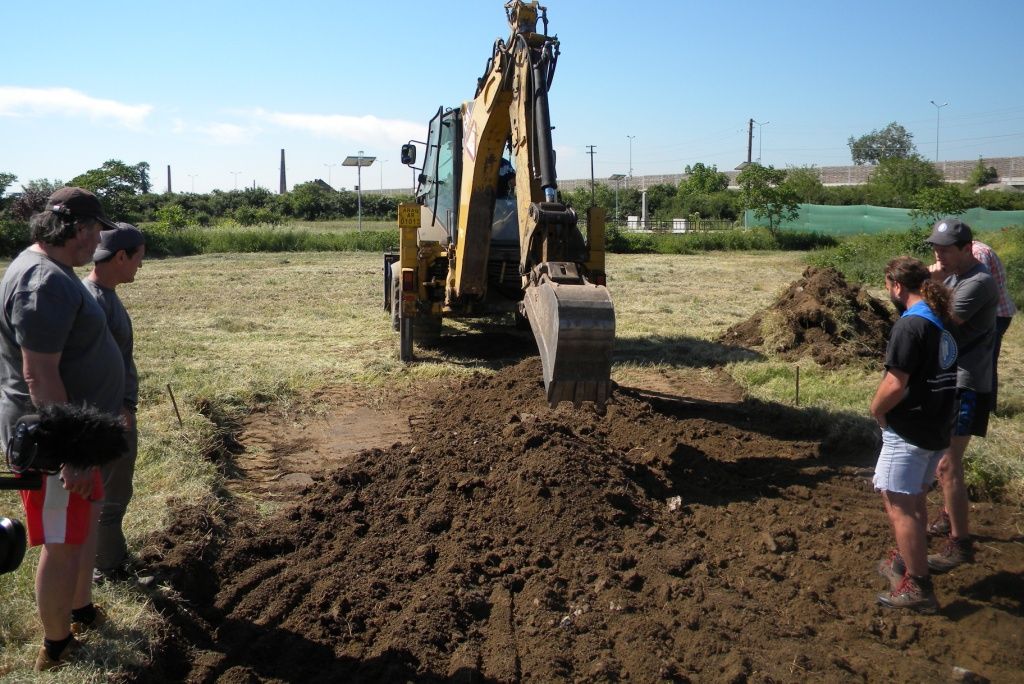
(232, 333)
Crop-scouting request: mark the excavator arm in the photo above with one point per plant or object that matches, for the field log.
(569, 311)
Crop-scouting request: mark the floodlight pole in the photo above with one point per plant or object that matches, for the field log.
(359, 161)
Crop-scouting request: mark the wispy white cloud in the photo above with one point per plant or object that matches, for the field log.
(227, 133)
(28, 102)
(369, 129)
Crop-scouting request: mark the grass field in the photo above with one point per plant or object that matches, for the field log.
(233, 333)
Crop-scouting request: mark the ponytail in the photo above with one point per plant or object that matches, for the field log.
(938, 298)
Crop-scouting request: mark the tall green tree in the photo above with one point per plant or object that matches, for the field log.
(117, 185)
(805, 182)
(763, 190)
(703, 180)
(895, 182)
(892, 142)
(33, 198)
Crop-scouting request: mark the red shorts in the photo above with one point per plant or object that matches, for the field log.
(56, 516)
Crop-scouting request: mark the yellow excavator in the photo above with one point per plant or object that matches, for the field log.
(487, 233)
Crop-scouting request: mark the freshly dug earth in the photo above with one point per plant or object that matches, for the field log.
(682, 536)
(818, 316)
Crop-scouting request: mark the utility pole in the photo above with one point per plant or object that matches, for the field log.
(750, 140)
(590, 151)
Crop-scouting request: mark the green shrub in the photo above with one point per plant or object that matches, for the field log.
(862, 258)
(13, 237)
(1008, 243)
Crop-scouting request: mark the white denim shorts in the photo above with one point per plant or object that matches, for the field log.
(904, 468)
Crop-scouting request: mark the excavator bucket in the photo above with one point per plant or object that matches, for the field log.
(574, 324)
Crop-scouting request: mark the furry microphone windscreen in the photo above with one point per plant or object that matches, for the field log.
(80, 436)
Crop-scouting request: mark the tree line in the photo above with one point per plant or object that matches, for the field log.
(126, 193)
(901, 178)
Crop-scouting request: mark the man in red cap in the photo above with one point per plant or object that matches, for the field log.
(55, 348)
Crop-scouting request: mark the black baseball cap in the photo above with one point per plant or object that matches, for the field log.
(123, 236)
(950, 231)
(80, 203)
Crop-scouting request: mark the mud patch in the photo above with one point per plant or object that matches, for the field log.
(676, 538)
(280, 453)
(821, 317)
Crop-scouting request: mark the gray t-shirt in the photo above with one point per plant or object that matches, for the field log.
(120, 324)
(975, 297)
(47, 309)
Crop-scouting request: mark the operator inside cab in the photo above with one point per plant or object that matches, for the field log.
(506, 180)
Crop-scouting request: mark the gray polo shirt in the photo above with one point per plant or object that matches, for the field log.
(120, 324)
(47, 309)
(975, 297)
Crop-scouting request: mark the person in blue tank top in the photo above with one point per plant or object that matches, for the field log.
(914, 406)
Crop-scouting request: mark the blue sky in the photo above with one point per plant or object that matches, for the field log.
(216, 89)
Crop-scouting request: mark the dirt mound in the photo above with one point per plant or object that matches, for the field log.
(672, 539)
(818, 316)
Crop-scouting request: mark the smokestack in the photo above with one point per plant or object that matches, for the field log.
(169, 191)
(284, 184)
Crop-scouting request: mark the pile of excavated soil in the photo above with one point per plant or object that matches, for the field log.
(818, 316)
(672, 539)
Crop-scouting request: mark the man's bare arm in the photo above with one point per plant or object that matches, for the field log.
(889, 393)
(42, 375)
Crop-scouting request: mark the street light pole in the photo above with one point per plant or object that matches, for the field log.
(760, 138)
(329, 167)
(617, 177)
(631, 137)
(938, 110)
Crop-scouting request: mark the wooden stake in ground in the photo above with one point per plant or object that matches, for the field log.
(175, 405)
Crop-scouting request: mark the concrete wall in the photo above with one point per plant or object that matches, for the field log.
(1010, 170)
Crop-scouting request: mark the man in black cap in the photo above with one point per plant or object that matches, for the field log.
(55, 348)
(975, 297)
(117, 259)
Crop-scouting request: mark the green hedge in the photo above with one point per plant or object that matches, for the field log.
(182, 242)
(719, 240)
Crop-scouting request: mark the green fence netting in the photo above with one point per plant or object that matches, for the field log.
(864, 218)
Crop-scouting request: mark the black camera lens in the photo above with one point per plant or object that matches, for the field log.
(12, 544)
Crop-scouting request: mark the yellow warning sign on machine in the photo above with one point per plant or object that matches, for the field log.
(408, 215)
